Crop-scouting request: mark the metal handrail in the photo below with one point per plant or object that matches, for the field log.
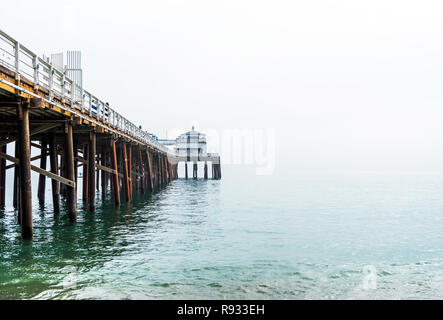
(62, 87)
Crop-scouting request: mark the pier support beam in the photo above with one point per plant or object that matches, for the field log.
(194, 171)
(165, 170)
(159, 171)
(97, 172)
(42, 178)
(126, 174)
(141, 171)
(62, 173)
(104, 174)
(54, 169)
(76, 163)
(91, 171)
(131, 180)
(206, 170)
(154, 170)
(3, 178)
(161, 181)
(25, 171)
(186, 170)
(85, 172)
(107, 163)
(149, 171)
(15, 194)
(169, 169)
(70, 172)
(213, 170)
(115, 180)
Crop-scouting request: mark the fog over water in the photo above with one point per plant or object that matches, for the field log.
(358, 84)
(333, 191)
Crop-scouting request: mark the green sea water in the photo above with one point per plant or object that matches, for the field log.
(242, 237)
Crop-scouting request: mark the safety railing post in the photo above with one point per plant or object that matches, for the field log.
(63, 88)
(51, 81)
(17, 60)
(90, 104)
(99, 108)
(36, 66)
(72, 93)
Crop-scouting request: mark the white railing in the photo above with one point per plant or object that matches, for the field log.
(15, 57)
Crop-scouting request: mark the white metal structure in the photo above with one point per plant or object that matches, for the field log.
(191, 144)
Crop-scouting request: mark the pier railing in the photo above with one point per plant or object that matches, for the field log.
(16, 57)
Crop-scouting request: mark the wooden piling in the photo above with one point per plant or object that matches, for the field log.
(119, 149)
(161, 182)
(15, 195)
(54, 169)
(107, 163)
(115, 180)
(62, 174)
(213, 170)
(194, 171)
(168, 174)
(25, 171)
(206, 170)
(131, 180)
(158, 171)
(160, 168)
(151, 162)
(85, 172)
(75, 164)
(70, 172)
(126, 174)
(169, 169)
(165, 170)
(91, 171)
(3, 178)
(97, 172)
(186, 170)
(149, 171)
(42, 179)
(103, 172)
(141, 171)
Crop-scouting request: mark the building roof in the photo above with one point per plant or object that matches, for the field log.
(192, 133)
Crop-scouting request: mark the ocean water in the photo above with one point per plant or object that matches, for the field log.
(300, 236)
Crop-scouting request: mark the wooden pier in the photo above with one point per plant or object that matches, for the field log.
(40, 108)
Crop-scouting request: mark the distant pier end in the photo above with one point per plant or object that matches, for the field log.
(191, 148)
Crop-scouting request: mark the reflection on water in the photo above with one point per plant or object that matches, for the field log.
(96, 241)
(303, 237)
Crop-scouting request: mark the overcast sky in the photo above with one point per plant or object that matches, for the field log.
(346, 85)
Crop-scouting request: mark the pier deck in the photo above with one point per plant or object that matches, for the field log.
(41, 107)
